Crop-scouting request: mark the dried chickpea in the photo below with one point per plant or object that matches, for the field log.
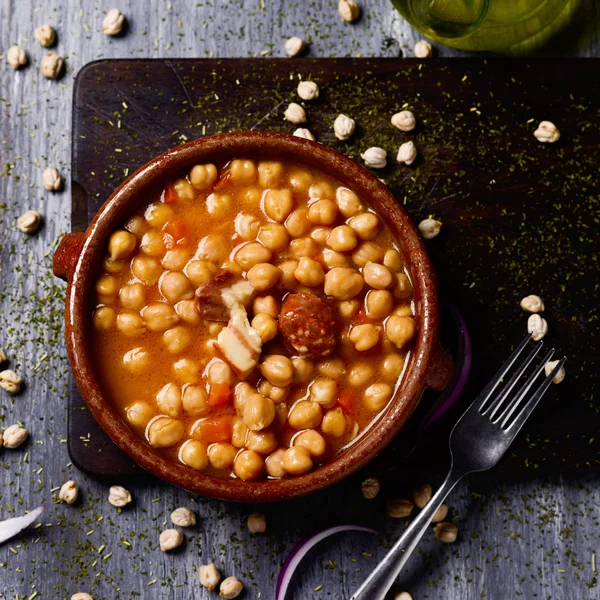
(130, 323)
(267, 305)
(263, 442)
(297, 461)
(239, 432)
(288, 280)
(221, 455)
(252, 253)
(303, 369)
(392, 260)
(343, 283)
(364, 337)
(334, 423)
(104, 318)
(332, 367)
(187, 312)
(107, 285)
(323, 212)
(273, 236)
(193, 453)
(175, 286)
(242, 171)
(213, 248)
(313, 441)
(342, 239)
(159, 316)
(246, 226)
(175, 259)
(274, 464)
(277, 394)
(348, 202)
(392, 366)
(298, 223)
(187, 370)
(203, 177)
(309, 272)
(248, 465)
(305, 414)
(218, 205)
(168, 400)
(402, 287)
(377, 276)
(146, 269)
(158, 215)
(360, 374)
(278, 204)
(377, 396)
(324, 391)
(177, 339)
(266, 326)
(379, 304)
(164, 432)
(194, 401)
(121, 245)
(270, 173)
(139, 413)
(366, 225)
(184, 189)
(200, 271)
(263, 276)
(400, 330)
(367, 252)
(259, 412)
(153, 244)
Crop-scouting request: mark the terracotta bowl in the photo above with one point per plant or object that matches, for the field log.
(79, 256)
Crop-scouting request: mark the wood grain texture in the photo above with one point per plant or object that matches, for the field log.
(529, 540)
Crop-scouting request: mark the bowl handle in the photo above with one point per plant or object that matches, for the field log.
(439, 372)
(66, 255)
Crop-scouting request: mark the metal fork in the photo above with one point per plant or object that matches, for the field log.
(477, 442)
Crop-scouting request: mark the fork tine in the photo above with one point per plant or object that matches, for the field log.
(517, 398)
(495, 406)
(488, 390)
(526, 410)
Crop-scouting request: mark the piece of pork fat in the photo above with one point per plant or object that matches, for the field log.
(215, 298)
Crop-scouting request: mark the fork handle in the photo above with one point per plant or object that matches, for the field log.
(379, 582)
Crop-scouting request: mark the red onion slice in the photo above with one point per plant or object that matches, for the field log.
(302, 549)
(11, 527)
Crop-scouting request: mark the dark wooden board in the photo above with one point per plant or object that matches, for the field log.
(519, 217)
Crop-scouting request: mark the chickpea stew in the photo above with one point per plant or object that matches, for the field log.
(253, 320)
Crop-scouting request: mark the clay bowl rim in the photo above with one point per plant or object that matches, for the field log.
(129, 195)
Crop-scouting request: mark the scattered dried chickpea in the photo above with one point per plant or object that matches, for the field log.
(374, 157)
(404, 120)
(370, 488)
(343, 127)
(256, 523)
(308, 90)
(119, 496)
(295, 114)
(532, 304)
(430, 228)
(423, 49)
(170, 539)
(10, 381)
(51, 66)
(294, 46)
(446, 532)
(547, 132)
(407, 153)
(3, 357)
(549, 367)
(183, 517)
(348, 10)
(399, 508)
(403, 596)
(537, 326)
(230, 588)
(440, 514)
(81, 596)
(45, 36)
(29, 222)
(113, 22)
(422, 495)
(304, 133)
(209, 576)
(51, 179)
(16, 57)
(14, 436)
(68, 492)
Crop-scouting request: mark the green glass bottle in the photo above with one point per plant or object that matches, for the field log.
(507, 26)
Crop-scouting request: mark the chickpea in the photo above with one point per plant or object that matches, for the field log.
(158, 215)
(298, 223)
(239, 432)
(378, 276)
(392, 366)
(175, 286)
(175, 259)
(264, 442)
(343, 283)
(164, 432)
(270, 173)
(278, 369)
(392, 260)
(113, 266)
(305, 414)
(309, 272)
(323, 212)
(136, 225)
(194, 401)
(348, 308)
(177, 339)
(303, 369)
(333, 368)
(221, 455)
(137, 360)
(297, 461)
(400, 330)
(360, 374)
(366, 225)
(132, 296)
(288, 280)
(168, 400)
(300, 180)
(379, 304)
(377, 396)
(348, 202)
(241, 393)
(242, 171)
(313, 441)
(213, 248)
(259, 412)
(248, 465)
(278, 204)
(267, 305)
(139, 413)
(187, 370)
(332, 259)
(121, 245)
(219, 205)
(246, 226)
(324, 391)
(273, 236)
(334, 423)
(153, 244)
(277, 394)
(367, 251)
(364, 337)
(219, 372)
(186, 311)
(321, 189)
(184, 190)
(274, 464)
(252, 253)
(193, 453)
(403, 310)
(130, 323)
(263, 276)
(203, 177)
(159, 316)
(146, 269)
(342, 239)
(303, 247)
(250, 196)
(266, 326)
(104, 318)
(200, 271)
(403, 287)
(107, 285)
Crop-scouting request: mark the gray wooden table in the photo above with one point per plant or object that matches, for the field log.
(528, 540)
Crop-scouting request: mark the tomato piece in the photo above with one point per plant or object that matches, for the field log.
(216, 429)
(220, 394)
(347, 400)
(170, 195)
(178, 231)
